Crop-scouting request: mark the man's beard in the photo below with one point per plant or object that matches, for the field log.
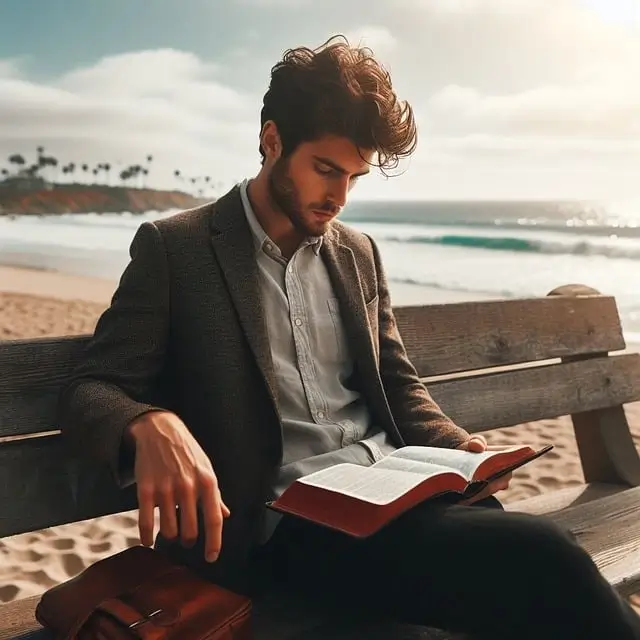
(285, 196)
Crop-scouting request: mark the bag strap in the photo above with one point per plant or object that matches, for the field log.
(117, 607)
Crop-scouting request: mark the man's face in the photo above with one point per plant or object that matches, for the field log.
(311, 185)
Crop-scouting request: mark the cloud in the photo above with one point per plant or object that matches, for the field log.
(511, 96)
(163, 102)
(9, 68)
(591, 110)
(377, 38)
(512, 92)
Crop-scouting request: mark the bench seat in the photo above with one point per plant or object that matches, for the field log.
(605, 519)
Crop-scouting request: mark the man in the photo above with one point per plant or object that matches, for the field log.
(252, 341)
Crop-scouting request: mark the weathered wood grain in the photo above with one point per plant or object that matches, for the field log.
(18, 618)
(61, 488)
(42, 485)
(609, 529)
(493, 400)
(606, 447)
(31, 375)
(440, 339)
(552, 501)
(453, 337)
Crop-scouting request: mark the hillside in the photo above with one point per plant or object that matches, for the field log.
(80, 198)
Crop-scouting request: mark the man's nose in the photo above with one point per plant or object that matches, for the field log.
(339, 193)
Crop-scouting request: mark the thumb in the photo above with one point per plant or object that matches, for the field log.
(476, 444)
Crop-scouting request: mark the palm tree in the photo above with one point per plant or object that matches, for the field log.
(18, 160)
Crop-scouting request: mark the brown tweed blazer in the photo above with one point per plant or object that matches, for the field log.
(185, 331)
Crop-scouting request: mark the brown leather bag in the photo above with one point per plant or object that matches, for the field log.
(139, 594)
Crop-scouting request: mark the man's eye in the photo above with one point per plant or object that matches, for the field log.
(325, 171)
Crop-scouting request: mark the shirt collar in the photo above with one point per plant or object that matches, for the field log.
(260, 238)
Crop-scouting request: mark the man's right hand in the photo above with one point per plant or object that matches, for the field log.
(172, 469)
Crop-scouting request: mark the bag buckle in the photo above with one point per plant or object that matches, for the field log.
(145, 619)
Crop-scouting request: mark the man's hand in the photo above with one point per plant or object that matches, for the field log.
(172, 469)
(478, 444)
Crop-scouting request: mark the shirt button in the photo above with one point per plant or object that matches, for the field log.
(320, 415)
(298, 322)
(268, 246)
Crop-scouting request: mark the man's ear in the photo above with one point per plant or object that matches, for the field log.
(270, 140)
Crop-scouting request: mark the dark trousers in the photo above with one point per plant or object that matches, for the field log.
(476, 569)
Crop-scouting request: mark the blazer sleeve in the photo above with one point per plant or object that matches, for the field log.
(418, 417)
(112, 385)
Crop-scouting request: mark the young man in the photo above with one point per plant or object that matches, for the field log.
(252, 340)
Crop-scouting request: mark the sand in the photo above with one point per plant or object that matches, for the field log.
(37, 304)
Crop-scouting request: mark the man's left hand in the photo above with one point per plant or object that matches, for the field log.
(478, 444)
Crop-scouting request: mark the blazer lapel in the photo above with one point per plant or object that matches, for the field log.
(345, 279)
(232, 242)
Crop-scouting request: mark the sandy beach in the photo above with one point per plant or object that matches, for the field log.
(39, 303)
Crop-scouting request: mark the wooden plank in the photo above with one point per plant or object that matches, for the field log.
(552, 501)
(453, 337)
(18, 618)
(609, 529)
(440, 339)
(493, 400)
(606, 447)
(42, 485)
(32, 373)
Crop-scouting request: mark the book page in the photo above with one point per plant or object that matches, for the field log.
(465, 462)
(410, 465)
(369, 484)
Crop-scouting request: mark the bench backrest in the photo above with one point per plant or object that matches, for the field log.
(488, 364)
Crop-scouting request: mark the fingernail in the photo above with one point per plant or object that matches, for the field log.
(212, 556)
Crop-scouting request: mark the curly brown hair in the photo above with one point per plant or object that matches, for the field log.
(338, 90)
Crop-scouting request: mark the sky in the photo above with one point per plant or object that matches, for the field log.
(514, 99)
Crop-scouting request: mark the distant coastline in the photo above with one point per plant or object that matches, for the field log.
(48, 185)
(91, 198)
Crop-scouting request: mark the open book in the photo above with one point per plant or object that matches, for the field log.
(360, 500)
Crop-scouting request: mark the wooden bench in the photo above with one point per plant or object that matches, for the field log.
(489, 364)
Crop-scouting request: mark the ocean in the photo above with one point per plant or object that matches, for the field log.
(479, 249)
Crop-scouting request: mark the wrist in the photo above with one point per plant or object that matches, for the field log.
(137, 425)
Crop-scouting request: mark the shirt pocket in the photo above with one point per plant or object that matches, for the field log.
(335, 335)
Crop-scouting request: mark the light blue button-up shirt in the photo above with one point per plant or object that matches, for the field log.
(324, 418)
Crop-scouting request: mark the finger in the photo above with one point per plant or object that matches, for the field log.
(187, 499)
(166, 500)
(226, 512)
(212, 518)
(477, 444)
(146, 506)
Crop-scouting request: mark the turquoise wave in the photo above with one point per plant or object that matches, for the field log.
(579, 247)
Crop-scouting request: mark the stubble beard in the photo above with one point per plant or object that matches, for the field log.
(284, 196)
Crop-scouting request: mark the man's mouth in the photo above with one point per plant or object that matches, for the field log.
(325, 215)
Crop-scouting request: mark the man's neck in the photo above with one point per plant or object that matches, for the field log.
(274, 222)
